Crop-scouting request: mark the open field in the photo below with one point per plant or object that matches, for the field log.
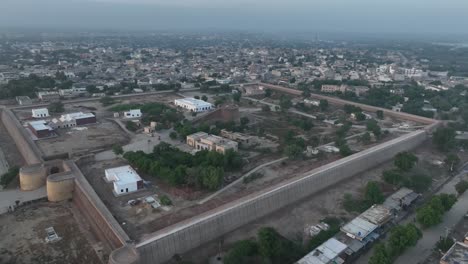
(82, 140)
(22, 235)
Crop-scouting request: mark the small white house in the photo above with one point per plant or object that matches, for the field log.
(134, 113)
(125, 179)
(193, 105)
(40, 113)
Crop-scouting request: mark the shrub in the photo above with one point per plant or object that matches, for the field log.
(9, 176)
(461, 187)
(165, 200)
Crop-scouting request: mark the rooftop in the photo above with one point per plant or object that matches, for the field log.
(377, 214)
(327, 253)
(193, 101)
(457, 254)
(40, 125)
(77, 115)
(359, 228)
(123, 174)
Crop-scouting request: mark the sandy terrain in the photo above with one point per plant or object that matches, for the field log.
(22, 235)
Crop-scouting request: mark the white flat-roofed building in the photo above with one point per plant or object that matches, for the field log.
(327, 253)
(40, 113)
(194, 105)
(125, 179)
(134, 113)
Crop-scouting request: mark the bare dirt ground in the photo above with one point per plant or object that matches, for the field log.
(292, 220)
(22, 235)
(83, 139)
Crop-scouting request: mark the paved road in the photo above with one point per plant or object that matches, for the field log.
(9, 197)
(423, 249)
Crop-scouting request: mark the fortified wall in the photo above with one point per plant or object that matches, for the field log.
(186, 235)
(23, 141)
(64, 181)
(341, 102)
(224, 113)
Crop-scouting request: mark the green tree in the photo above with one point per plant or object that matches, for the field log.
(402, 237)
(131, 126)
(461, 187)
(211, 177)
(374, 127)
(405, 161)
(380, 255)
(365, 138)
(268, 92)
(444, 138)
(244, 121)
(293, 151)
(417, 182)
(275, 248)
(392, 176)
(360, 116)
(106, 101)
(165, 201)
(373, 193)
(204, 98)
(285, 103)
(9, 176)
(323, 105)
(173, 135)
(431, 213)
(452, 160)
(266, 108)
(117, 149)
(427, 216)
(345, 150)
(236, 96)
(444, 244)
(380, 114)
(268, 242)
(56, 107)
(242, 252)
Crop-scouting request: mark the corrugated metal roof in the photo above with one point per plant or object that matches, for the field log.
(377, 214)
(326, 253)
(359, 228)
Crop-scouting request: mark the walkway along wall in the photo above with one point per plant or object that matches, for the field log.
(23, 141)
(162, 245)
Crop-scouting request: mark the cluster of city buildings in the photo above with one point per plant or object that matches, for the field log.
(105, 67)
(358, 235)
(44, 128)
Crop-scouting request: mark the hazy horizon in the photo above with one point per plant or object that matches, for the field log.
(335, 16)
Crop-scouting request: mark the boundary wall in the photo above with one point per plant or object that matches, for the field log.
(102, 222)
(337, 101)
(23, 141)
(70, 183)
(179, 238)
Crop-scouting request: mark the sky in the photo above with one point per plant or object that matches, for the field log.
(339, 16)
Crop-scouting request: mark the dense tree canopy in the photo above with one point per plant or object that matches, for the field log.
(405, 161)
(444, 138)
